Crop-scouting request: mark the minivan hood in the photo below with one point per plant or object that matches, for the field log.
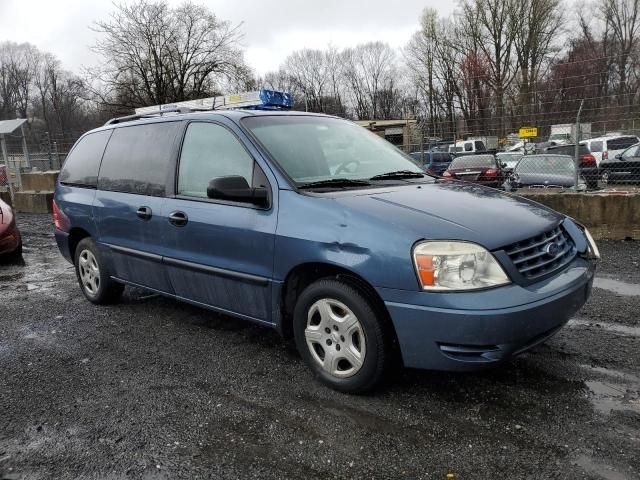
(455, 210)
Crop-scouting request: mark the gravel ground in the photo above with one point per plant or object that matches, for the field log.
(151, 388)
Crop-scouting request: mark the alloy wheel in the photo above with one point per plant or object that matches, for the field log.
(89, 272)
(335, 338)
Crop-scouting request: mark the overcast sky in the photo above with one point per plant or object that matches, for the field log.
(272, 28)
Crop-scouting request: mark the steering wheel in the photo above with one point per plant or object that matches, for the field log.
(343, 166)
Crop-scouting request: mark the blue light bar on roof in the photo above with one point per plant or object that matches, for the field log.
(263, 99)
(275, 99)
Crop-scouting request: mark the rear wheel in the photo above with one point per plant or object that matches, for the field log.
(341, 336)
(93, 275)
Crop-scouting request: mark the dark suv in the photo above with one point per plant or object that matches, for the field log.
(433, 162)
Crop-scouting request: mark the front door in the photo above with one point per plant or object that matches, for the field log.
(221, 252)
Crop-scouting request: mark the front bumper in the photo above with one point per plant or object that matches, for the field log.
(465, 331)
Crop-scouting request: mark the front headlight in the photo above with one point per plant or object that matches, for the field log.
(595, 252)
(452, 265)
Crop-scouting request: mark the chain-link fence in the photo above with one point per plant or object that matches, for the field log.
(35, 152)
(556, 157)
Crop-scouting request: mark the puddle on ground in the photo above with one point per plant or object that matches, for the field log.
(39, 272)
(616, 328)
(620, 391)
(603, 471)
(617, 286)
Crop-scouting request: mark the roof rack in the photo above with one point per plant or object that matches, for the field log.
(152, 113)
(263, 99)
(257, 100)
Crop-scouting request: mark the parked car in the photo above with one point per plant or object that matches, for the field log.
(607, 147)
(625, 167)
(239, 212)
(434, 163)
(544, 171)
(482, 169)
(586, 161)
(10, 240)
(508, 160)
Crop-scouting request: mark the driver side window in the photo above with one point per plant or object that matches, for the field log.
(210, 151)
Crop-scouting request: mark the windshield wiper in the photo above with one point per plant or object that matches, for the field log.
(335, 182)
(398, 174)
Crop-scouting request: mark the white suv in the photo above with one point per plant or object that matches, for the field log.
(603, 148)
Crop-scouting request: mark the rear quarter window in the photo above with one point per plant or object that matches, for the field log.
(138, 159)
(81, 167)
(596, 146)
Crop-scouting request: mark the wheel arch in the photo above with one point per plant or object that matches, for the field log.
(76, 235)
(303, 275)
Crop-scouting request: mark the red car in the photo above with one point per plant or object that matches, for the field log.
(481, 169)
(10, 240)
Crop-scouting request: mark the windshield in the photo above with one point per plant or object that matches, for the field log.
(548, 164)
(473, 161)
(315, 149)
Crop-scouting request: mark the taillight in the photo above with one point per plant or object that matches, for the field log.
(446, 173)
(60, 220)
(491, 172)
(431, 170)
(588, 160)
(605, 155)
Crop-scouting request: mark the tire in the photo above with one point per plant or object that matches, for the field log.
(360, 350)
(16, 255)
(93, 274)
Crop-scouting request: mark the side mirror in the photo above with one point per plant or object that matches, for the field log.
(503, 165)
(619, 156)
(236, 189)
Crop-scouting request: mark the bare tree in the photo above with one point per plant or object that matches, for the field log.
(369, 71)
(157, 54)
(622, 16)
(494, 23)
(537, 31)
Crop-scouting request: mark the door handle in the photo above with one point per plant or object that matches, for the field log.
(144, 213)
(179, 219)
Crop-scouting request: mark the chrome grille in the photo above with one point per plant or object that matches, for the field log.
(535, 258)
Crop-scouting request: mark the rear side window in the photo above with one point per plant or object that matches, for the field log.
(621, 143)
(81, 166)
(138, 159)
(468, 147)
(210, 151)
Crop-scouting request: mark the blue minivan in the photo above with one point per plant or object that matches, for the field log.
(322, 230)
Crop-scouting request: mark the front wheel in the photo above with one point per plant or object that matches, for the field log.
(93, 274)
(341, 336)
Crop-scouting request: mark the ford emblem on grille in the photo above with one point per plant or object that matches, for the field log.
(552, 249)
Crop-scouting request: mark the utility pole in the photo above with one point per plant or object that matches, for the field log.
(577, 156)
